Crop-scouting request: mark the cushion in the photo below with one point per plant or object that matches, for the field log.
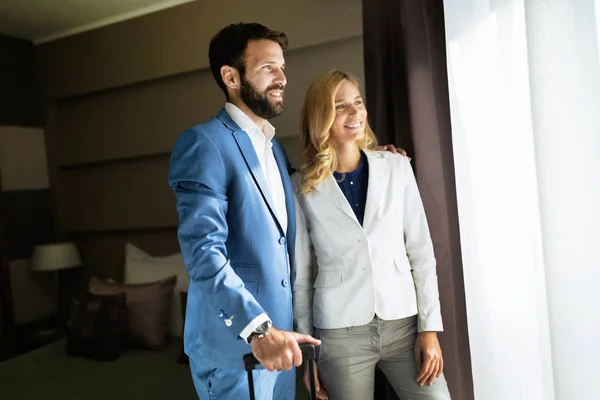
(98, 327)
(183, 358)
(140, 267)
(148, 307)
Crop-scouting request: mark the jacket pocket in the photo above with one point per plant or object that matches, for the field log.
(248, 274)
(402, 264)
(251, 286)
(328, 279)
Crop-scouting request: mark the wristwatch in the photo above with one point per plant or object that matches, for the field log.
(261, 331)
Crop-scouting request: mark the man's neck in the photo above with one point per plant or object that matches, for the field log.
(348, 157)
(260, 122)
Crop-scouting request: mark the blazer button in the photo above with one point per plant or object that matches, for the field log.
(281, 240)
(284, 282)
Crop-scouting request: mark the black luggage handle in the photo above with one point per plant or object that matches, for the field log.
(309, 354)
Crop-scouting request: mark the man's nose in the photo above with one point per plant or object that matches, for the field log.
(280, 78)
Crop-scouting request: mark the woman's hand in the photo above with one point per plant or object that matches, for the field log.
(321, 392)
(429, 358)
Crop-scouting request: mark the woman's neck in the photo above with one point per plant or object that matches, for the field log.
(348, 157)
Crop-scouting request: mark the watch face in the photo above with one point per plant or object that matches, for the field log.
(262, 328)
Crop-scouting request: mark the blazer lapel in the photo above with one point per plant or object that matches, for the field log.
(247, 149)
(379, 171)
(332, 192)
(289, 198)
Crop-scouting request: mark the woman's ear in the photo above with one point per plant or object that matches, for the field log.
(231, 77)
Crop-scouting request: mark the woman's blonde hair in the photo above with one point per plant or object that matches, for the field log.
(316, 120)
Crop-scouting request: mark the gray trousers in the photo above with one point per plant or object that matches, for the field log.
(348, 356)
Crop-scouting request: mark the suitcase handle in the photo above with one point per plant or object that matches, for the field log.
(309, 354)
(307, 349)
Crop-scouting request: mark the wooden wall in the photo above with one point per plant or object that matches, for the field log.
(116, 99)
(26, 203)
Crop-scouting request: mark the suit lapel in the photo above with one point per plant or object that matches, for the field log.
(330, 189)
(289, 198)
(379, 171)
(247, 149)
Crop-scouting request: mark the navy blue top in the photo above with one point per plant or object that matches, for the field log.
(354, 186)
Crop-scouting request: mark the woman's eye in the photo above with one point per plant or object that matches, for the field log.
(358, 102)
(339, 107)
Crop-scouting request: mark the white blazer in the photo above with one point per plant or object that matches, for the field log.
(347, 273)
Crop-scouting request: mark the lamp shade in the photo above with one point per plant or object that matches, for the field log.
(55, 256)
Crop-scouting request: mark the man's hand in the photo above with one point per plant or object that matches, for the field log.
(429, 358)
(279, 350)
(321, 392)
(393, 149)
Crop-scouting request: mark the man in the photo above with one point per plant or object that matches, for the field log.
(237, 224)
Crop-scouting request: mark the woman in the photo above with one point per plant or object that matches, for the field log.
(366, 281)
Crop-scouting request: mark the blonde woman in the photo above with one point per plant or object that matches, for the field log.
(366, 280)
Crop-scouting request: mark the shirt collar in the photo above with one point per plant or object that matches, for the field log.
(246, 124)
(357, 171)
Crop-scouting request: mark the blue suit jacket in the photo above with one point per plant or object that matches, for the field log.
(233, 246)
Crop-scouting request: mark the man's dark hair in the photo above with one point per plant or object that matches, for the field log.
(228, 47)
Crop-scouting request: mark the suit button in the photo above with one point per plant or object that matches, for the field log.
(281, 240)
(284, 282)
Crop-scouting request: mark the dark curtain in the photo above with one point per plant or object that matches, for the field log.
(7, 335)
(407, 99)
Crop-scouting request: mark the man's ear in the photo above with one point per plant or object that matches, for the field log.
(231, 77)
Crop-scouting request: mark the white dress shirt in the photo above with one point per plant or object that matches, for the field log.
(261, 141)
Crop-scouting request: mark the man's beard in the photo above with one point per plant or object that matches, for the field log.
(258, 102)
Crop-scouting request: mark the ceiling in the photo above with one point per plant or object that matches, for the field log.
(41, 21)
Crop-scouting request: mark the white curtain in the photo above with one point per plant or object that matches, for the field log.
(524, 79)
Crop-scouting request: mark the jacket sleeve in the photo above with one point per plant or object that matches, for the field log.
(419, 249)
(198, 177)
(305, 274)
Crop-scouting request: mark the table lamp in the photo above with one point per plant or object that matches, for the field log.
(57, 257)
